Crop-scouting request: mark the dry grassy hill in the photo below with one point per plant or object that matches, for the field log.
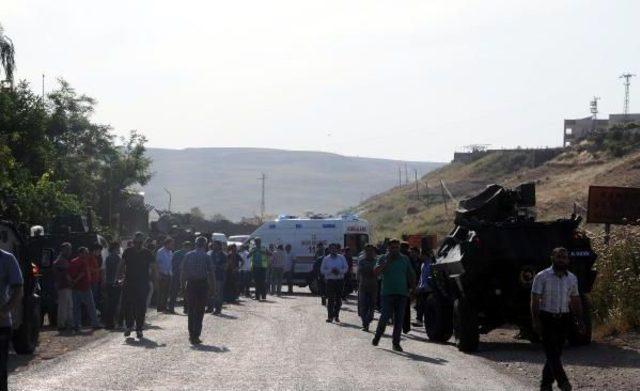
(559, 183)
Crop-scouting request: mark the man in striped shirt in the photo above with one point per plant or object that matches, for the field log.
(554, 298)
(198, 276)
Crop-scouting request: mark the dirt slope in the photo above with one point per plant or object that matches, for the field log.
(559, 183)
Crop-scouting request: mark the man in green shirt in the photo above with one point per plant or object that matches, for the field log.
(398, 278)
(259, 263)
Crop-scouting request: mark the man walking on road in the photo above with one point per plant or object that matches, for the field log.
(164, 258)
(278, 260)
(397, 278)
(176, 278)
(219, 262)
(367, 286)
(334, 267)
(138, 266)
(11, 293)
(63, 286)
(197, 277)
(259, 260)
(554, 298)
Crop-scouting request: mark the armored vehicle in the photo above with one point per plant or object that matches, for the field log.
(26, 317)
(485, 267)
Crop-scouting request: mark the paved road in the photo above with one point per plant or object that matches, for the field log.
(283, 344)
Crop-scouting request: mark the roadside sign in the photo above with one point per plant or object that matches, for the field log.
(614, 205)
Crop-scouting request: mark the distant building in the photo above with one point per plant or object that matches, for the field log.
(577, 129)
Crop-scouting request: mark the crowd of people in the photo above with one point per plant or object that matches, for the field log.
(116, 291)
(389, 278)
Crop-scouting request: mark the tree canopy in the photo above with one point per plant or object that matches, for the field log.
(55, 160)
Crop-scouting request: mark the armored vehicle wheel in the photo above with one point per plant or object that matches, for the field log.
(25, 338)
(574, 336)
(438, 319)
(465, 326)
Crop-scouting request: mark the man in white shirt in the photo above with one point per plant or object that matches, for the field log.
(554, 298)
(245, 272)
(334, 267)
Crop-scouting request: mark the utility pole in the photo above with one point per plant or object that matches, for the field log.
(400, 176)
(415, 172)
(263, 179)
(627, 83)
(168, 192)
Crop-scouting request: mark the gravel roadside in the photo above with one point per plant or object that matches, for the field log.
(607, 364)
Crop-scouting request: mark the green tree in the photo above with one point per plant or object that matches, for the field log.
(57, 150)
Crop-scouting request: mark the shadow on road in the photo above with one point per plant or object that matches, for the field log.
(71, 333)
(225, 316)
(418, 357)
(16, 361)
(349, 325)
(595, 355)
(210, 348)
(144, 343)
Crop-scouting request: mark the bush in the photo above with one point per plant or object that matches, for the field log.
(616, 294)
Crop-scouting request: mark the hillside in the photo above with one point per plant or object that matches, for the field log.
(225, 180)
(559, 183)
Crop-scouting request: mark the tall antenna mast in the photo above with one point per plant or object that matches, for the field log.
(593, 107)
(627, 83)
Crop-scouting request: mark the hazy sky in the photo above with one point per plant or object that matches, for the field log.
(410, 80)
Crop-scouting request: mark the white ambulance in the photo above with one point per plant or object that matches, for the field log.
(304, 234)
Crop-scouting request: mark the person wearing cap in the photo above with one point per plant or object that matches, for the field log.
(198, 277)
(554, 298)
(176, 278)
(397, 280)
(334, 267)
(367, 286)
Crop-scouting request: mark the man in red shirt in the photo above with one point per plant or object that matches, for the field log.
(80, 273)
(95, 270)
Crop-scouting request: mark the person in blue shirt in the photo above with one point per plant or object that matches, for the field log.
(176, 278)
(164, 257)
(198, 277)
